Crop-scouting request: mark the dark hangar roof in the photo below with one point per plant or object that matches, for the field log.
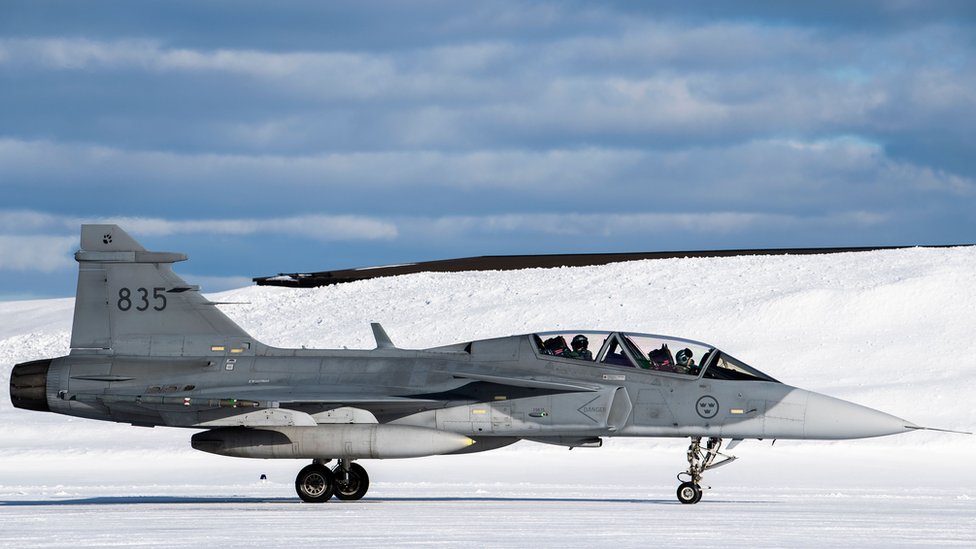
(514, 262)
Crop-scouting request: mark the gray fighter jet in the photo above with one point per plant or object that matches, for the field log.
(148, 349)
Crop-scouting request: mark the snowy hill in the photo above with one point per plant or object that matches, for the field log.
(889, 329)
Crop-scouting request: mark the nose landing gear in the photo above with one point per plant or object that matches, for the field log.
(699, 461)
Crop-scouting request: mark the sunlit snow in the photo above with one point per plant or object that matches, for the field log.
(889, 329)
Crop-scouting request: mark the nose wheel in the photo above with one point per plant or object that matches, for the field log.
(699, 461)
(689, 492)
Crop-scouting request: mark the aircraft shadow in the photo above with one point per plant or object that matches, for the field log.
(221, 500)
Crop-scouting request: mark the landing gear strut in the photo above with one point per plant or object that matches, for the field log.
(316, 483)
(699, 461)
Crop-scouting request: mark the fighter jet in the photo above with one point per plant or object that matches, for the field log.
(148, 349)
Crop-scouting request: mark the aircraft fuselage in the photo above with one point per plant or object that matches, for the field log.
(503, 387)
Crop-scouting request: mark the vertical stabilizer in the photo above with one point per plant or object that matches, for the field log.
(130, 301)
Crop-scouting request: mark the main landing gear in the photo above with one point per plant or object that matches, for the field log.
(316, 483)
(699, 461)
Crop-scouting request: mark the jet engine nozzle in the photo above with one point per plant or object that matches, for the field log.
(28, 385)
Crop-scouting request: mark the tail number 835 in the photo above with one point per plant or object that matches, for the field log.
(142, 300)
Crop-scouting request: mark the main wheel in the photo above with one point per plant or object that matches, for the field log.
(315, 483)
(351, 485)
(689, 493)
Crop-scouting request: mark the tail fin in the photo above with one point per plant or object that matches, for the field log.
(130, 302)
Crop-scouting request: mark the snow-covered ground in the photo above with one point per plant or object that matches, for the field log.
(560, 517)
(889, 329)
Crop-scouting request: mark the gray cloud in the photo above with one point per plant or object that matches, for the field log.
(36, 253)
(620, 226)
(317, 227)
(394, 132)
(820, 172)
(25, 251)
(645, 83)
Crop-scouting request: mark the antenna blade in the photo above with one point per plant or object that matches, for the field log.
(383, 341)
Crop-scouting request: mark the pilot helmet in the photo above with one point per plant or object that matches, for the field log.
(580, 342)
(684, 356)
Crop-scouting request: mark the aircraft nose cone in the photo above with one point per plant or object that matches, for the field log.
(833, 418)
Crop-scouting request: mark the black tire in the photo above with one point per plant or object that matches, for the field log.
(315, 483)
(355, 486)
(689, 493)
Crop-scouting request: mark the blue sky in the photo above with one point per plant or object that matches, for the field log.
(261, 137)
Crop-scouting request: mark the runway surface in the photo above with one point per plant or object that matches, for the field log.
(529, 516)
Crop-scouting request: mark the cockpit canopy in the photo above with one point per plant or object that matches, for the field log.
(664, 354)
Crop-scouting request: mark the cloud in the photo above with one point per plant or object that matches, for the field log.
(50, 253)
(378, 132)
(25, 221)
(613, 78)
(515, 68)
(319, 74)
(36, 253)
(514, 169)
(317, 227)
(621, 226)
(238, 194)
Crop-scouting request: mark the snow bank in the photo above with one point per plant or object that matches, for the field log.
(889, 329)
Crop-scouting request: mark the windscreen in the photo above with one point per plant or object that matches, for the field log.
(647, 352)
(728, 367)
